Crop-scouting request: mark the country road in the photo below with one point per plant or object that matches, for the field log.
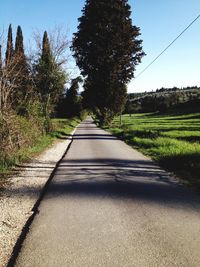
(108, 205)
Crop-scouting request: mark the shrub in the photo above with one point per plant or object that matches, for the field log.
(16, 134)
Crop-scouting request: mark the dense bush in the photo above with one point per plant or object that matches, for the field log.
(17, 133)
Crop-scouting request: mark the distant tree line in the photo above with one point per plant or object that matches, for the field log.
(164, 100)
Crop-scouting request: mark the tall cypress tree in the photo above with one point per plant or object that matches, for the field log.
(1, 62)
(1, 80)
(71, 100)
(19, 52)
(107, 50)
(46, 50)
(9, 50)
(21, 69)
(50, 79)
(44, 68)
(19, 46)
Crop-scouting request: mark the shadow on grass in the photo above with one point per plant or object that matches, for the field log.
(175, 112)
(161, 127)
(185, 165)
(193, 139)
(158, 133)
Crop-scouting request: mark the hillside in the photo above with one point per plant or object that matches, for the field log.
(164, 100)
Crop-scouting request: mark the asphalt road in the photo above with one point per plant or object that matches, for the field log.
(108, 205)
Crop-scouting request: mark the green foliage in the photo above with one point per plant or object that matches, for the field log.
(71, 98)
(171, 140)
(19, 47)
(21, 138)
(107, 50)
(23, 85)
(29, 93)
(16, 133)
(1, 61)
(83, 114)
(70, 104)
(49, 78)
(9, 50)
(63, 127)
(46, 50)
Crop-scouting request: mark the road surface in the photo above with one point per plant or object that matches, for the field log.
(108, 205)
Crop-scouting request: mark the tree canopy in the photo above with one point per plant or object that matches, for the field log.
(107, 50)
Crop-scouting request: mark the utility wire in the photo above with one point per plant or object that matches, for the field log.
(168, 46)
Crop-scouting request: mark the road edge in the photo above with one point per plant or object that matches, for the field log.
(34, 210)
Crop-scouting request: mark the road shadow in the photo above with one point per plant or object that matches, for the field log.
(117, 179)
(94, 137)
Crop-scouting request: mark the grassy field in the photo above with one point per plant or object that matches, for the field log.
(171, 140)
(61, 128)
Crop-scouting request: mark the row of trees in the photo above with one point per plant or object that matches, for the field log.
(31, 90)
(38, 79)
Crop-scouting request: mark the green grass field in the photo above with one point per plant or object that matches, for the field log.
(171, 140)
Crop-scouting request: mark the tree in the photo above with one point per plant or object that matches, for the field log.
(107, 51)
(72, 101)
(1, 62)
(49, 77)
(19, 51)
(10, 76)
(23, 82)
(1, 75)
(70, 104)
(9, 50)
(58, 41)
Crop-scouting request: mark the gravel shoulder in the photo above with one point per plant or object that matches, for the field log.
(20, 194)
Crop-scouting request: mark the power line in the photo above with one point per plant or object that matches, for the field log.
(168, 46)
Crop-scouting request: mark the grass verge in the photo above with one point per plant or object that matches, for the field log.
(171, 140)
(61, 128)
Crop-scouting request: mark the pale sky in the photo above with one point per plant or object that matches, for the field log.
(160, 23)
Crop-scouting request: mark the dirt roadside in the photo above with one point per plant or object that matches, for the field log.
(20, 194)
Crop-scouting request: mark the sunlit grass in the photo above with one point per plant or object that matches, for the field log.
(171, 140)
